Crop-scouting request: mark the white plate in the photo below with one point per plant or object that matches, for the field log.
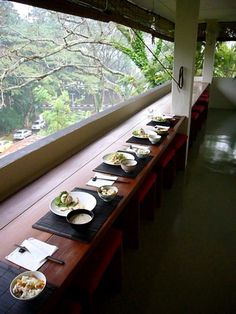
(107, 158)
(36, 274)
(86, 200)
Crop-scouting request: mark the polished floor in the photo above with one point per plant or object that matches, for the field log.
(186, 263)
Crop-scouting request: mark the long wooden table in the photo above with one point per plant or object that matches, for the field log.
(22, 210)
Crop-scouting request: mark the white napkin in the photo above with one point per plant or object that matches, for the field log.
(100, 182)
(36, 257)
(168, 115)
(135, 148)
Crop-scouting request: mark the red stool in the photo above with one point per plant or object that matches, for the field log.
(107, 259)
(194, 127)
(147, 196)
(204, 96)
(202, 109)
(180, 143)
(167, 167)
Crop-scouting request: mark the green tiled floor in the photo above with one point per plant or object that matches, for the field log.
(186, 263)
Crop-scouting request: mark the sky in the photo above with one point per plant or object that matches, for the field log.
(22, 9)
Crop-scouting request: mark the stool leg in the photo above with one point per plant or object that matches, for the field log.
(114, 274)
(129, 223)
(169, 174)
(180, 158)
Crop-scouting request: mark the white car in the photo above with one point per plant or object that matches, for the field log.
(38, 125)
(4, 145)
(21, 134)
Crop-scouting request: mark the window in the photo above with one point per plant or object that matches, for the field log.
(62, 69)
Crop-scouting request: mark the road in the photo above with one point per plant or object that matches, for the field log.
(21, 144)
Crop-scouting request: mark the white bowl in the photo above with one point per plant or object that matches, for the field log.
(107, 192)
(142, 152)
(128, 165)
(29, 293)
(154, 138)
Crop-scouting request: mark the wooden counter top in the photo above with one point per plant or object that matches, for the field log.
(19, 212)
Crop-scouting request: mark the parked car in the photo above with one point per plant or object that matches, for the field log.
(38, 125)
(21, 134)
(4, 145)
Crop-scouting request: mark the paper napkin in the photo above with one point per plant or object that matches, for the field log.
(134, 148)
(35, 257)
(100, 182)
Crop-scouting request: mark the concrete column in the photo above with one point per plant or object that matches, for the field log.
(186, 27)
(209, 54)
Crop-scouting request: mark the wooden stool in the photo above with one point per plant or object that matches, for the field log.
(106, 259)
(180, 143)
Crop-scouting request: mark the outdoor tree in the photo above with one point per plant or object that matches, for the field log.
(60, 115)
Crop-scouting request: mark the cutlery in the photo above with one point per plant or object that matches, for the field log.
(23, 249)
(107, 179)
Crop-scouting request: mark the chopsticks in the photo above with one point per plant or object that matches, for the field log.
(107, 179)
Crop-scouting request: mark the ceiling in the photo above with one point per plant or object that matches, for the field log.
(220, 10)
(153, 16)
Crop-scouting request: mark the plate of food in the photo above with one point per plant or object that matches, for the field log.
(159, 119)
(68, 201)
(27, 285)
(140, 133)
(116, 158)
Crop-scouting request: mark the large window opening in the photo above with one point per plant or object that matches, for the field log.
(58, 69)
(225, 59)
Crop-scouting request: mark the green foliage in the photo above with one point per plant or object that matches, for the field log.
(9, 120)
(60, 115)
(225, 60)
(199, 58)
(41, 94)
(153, 71)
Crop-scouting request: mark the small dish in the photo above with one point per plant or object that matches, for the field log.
(128, 165)
(154, 138)
(80, 218)
(28, 285)
(107, 192)
(142, 152)
(162, 130)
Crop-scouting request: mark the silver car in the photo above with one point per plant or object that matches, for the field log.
(21, 134)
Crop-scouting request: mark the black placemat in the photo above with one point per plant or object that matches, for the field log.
(143, 141)
(170, 123)
(59, 226)
(10, 305)
(153, 123)
(118, 171)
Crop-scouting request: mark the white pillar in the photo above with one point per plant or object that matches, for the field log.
(186, 27)
(209, 54)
